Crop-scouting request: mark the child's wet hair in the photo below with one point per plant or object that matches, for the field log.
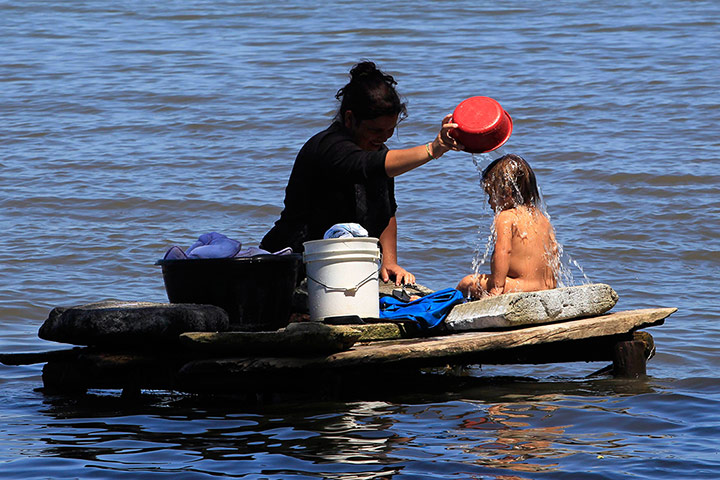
(511, 182)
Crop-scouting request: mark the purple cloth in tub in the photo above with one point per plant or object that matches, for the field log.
(217, 245)
(213, 245)
(175, 253)
(253, 251)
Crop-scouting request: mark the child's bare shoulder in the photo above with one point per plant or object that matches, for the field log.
(508, 215)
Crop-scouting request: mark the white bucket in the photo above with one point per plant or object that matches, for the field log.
(343, 276)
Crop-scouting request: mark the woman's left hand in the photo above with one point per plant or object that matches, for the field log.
(402, 276)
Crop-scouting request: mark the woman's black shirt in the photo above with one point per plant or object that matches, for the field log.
(333, 181)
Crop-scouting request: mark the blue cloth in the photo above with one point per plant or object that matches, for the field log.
(428, 311)
(346, 230)
(213, 245)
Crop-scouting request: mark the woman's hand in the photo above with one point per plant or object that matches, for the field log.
(444, 141)
(402, 276)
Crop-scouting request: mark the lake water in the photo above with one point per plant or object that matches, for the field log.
(130, 127)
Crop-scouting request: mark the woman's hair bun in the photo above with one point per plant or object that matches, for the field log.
(370, 93)
(369, 69)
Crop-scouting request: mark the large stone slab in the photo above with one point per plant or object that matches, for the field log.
(130, 324)
(532, 308)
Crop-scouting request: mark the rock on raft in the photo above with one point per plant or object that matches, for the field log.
(130, 324)
(532, 308)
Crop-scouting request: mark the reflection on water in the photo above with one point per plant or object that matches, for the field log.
(517, 443)
(486, 428)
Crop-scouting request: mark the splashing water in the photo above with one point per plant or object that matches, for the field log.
(562, 263)
(563, 270)
(481, 160)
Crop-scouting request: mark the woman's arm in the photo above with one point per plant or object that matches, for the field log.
(403, 160)
(500, 264)
(390, 268)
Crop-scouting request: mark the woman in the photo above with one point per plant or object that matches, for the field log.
(345, 174)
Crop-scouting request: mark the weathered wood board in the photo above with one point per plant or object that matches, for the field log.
(39, 357)
(448, 348)
(302, 338)
(296, 339)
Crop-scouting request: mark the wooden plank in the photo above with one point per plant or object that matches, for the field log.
(38, 357)
(303, 338)
(91, 369)
(440, 349)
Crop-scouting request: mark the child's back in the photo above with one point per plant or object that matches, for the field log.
(525, 250)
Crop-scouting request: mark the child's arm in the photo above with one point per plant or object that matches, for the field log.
(501, 257)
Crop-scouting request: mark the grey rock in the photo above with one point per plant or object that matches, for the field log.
(387, 288)
(299, 302)
(130, 324)
(532, 308)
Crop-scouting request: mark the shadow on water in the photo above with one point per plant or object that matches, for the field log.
(428, 385)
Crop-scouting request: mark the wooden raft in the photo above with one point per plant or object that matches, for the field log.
(461, 347)
(610, 337)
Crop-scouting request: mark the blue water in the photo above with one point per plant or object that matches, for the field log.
(127, 128)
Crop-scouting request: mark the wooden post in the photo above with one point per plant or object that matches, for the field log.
(62, 377)
(629, 359)
(131, 393)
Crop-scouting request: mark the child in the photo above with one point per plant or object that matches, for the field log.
(525, 247)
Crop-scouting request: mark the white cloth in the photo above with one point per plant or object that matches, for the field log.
(345, 230)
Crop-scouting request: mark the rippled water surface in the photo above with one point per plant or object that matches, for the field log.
(129, 127)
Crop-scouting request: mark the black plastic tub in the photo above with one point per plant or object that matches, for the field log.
(256, 292)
